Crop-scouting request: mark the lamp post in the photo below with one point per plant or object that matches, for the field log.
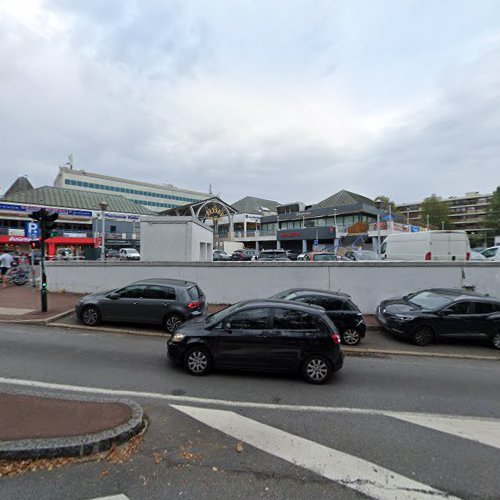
(103, 206)
(378, 204)
(442, 225)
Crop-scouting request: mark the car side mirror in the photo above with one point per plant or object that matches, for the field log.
(445, 312)
(227, 327)
(114, 296)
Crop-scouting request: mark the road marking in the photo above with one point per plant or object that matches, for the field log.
(121, 496)
(352, 472)
(451, 424)
(483, 431)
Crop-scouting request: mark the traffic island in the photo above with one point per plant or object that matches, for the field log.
(34, 426)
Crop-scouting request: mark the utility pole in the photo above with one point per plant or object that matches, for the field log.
(47, 223)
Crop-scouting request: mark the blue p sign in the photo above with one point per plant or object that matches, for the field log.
(31, 230)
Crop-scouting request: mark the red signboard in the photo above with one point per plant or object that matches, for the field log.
(292, 234)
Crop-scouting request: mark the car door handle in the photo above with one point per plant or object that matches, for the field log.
(135, 303)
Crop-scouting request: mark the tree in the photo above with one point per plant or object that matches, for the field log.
(435, 212)
(492, 219)
(386, 203)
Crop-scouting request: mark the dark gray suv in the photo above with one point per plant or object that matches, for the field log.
(159, 301)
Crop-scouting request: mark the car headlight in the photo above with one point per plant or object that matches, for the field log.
(178, 337)
(402, 317)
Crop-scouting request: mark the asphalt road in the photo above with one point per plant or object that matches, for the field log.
(298, 441)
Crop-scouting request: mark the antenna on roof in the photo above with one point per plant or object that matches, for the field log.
(71, 161)
(210, 189)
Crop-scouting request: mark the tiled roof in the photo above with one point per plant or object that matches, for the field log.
(251, 205)
(75, 198)
(343, 198)
(20, 184)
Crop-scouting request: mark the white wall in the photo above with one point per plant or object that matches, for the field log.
(227, 282)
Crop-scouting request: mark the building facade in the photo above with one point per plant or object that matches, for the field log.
(156, 197)
(466, 212)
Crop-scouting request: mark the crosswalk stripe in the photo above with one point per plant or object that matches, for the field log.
(481, 430)
(352, 472)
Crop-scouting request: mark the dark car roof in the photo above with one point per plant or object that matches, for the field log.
(164, 281)
(282, 303)
(459, 293)
(317, 290)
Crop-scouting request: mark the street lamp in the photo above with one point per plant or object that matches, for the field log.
(378, 203)
(103, 206)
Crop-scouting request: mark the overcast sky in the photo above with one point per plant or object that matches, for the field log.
(287, 100)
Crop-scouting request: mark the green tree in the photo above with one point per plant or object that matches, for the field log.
(434, 210)
(492, 219)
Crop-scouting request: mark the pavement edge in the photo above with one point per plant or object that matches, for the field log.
(75, 446)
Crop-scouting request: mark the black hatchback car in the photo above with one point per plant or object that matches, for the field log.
(339, 307)
(160, 301)
(267, 335)
(426, 315)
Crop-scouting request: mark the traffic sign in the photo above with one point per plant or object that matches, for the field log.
(31, 230)
(316, 242)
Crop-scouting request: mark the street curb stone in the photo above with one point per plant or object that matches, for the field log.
(74, 446)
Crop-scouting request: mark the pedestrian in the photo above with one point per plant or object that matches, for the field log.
(5, 264)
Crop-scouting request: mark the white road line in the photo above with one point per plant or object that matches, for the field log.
(121, 496)
(483, 431)
(419, 418)
(355, 473)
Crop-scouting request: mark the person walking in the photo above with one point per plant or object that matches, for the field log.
(6, 260)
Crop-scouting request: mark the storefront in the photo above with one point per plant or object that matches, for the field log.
(307, 238)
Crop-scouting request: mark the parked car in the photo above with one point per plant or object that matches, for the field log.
(159, 301)
(279, 255)
(267, 335)
(220, 255)
(320, 256)
(361, 255)
(129, 254)
(112, 253)
(245, 254)
(426, 315)
(292, 254)
(301, 256)
(476, 256)
(426, 246)
(338, 306)
(491, 253)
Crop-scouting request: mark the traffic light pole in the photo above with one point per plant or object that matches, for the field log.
(43, 282)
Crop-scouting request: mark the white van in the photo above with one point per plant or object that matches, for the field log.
(129, 254)
(427, 245)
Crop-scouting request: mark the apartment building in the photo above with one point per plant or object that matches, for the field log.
(466, 212)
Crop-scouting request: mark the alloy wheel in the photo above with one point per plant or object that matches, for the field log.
(90, 316)
(197, 362)
(172, 323)
(496, 340)
(351, 337)
(423, 336)
(317, 369)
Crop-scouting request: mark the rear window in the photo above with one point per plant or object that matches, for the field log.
(195, 292)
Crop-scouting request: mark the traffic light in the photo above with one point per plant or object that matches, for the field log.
(47, 222)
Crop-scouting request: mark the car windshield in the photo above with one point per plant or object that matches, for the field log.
(429, 300)
(326, 256)
(218, 316)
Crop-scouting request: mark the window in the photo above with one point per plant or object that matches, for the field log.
(459, 308)
(112, 229)
(251, 319)
(288, 319)
(484, 307)
(491, 252)
(132, 292)
(159, 292)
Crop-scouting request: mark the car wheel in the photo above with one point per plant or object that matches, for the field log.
(351, 337)
(198, 361)
(495, 340)
(422, 336)
(172, 322)
(316, 370)
(91, 316)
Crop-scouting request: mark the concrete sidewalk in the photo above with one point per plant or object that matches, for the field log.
(35, 427)
(23, 303)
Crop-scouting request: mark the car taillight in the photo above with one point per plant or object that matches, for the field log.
(428, 256)
(194, 305)
(335, 338)
(468, 256)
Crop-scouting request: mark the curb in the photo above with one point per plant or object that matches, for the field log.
(353, 352)
(40, 321)
(75, 446)
(110, 330)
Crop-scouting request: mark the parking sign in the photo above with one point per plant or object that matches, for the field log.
(31, 230)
